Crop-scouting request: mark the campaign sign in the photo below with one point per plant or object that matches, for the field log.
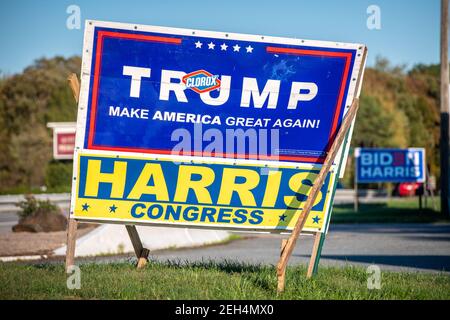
(181, 127)
(220, 195)
(390, 165)
(143, 83)
(63, 139)
(65, 144)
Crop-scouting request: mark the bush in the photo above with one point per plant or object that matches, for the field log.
(39, 216)
(31, 206)
(59, 176)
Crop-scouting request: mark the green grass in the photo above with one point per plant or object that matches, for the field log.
(399, 210)
(209, 280)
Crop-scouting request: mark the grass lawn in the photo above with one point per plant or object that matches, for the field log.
(209, 280)
(396, 210)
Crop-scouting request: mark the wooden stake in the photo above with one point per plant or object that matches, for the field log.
(72, 223)
(431, 190)
(425, 188)
(316, 187)
(141, 252)
(355, 185)
(318, 245)
(444, 101)
(135, 240)
(75, 86)
(71, 240)
(282, 274)
(315, 250)
(345, 126)
(143, 259)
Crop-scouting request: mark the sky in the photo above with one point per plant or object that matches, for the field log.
(408, 33)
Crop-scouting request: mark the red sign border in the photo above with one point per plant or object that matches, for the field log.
(102, 34)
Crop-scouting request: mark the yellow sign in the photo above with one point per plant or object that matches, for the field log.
(214, 195)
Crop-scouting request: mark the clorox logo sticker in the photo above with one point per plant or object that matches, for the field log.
(201, 81)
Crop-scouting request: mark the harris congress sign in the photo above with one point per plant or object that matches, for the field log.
(390, 165)
(155, 101)
(215, 195)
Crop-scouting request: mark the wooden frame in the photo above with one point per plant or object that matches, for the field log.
(141, 252)
(355, 185)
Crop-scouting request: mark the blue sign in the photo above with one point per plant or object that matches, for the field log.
(145, 83)
(390, 165)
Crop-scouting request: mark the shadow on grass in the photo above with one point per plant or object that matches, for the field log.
(227, 266)
(250, 272)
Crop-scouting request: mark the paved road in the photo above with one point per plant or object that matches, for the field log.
(7, 220)
(400, 247)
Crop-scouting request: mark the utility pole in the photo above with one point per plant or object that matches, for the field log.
(444, 141)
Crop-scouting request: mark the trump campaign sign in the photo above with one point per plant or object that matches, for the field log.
(390, 165)
(207, 129)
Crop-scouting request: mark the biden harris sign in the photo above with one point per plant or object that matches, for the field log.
(390, 165)
(207, 129)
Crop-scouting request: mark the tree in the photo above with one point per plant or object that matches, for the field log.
(376, 128)
(27, 102)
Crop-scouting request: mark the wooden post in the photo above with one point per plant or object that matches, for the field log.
(74, 85)
(317, 249)
(282, 275)
(71, 241)
(431, 190)
(72, 223)
(444, 140)
(315, 190)
(355, 185)
(425, 188)
(315, 252)
(141, 252)
(331, 155)
(389, 191)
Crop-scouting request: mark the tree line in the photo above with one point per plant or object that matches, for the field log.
(398, 108)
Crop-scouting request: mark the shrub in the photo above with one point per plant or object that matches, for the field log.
(31, 206)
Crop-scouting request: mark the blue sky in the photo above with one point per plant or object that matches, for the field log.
(409, 31)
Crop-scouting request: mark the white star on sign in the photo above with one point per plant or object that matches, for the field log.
(236, 48)
(198, 44)
(249, 49)
(211, 45)
(223, 47)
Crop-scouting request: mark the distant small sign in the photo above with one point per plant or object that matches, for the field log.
(390, 165)
(63, 139)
